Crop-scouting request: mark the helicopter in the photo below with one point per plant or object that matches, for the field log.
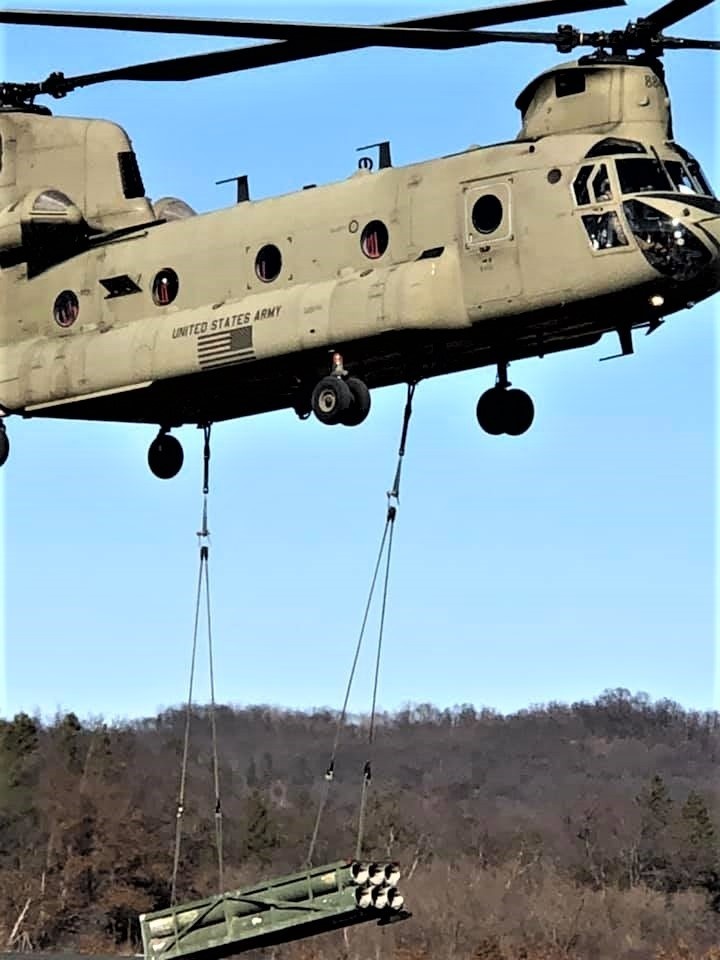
(115, 308)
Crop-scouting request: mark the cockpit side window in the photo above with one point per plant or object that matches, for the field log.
(580, 186)
(695, 170)
(605, 231)
(592, 185)
(601, 184)
(700, 178)
(641, 175)
(707, 189)
(680, 177)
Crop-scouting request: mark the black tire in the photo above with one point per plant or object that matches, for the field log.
(4, 445)
(360, 406)
(165, 456)
(518, 412)
(490, 411)
(331, 400)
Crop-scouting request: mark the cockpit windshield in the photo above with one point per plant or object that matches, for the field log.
(642, 175)
(647, 175)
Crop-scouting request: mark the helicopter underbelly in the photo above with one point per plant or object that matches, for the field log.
(247, 388)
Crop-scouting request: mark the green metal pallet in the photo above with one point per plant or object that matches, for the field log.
(301, 905)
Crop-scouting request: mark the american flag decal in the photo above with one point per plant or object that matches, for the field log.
(225, 348)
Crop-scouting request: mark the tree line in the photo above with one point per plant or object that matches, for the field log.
(565, 830)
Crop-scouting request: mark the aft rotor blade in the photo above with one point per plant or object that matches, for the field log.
(673, 12)
(277, 30)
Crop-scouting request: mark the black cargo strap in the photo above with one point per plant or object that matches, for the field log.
(393, 498)
(203, 581)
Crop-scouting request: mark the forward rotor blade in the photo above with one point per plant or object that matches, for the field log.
(571, 39)
(213, 64)
(507, 13)
(357, 35)
(521, 36)
(274, 30)
(681, 43)
(196, 66)
(247, 58)
(673, 12)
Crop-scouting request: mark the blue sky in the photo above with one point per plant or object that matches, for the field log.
(546, 567)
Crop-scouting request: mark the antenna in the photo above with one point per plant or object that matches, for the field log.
(383, 155)
(243, 191)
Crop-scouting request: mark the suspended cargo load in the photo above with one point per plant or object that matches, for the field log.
(301, 905)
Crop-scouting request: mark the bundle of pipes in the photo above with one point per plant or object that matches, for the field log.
(300, 905)
(377, 885)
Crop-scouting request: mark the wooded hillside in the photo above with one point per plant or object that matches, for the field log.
(563, 831)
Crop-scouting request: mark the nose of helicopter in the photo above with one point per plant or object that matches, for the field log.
(707, 229)
(680, 237)
(707, 280)
(710, 226)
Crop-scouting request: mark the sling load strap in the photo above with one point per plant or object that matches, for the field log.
(204, 533)
(330, 771)
(203, 581)
(367, 769)
(392, 494)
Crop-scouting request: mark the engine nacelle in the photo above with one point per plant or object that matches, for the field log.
(171, 208)
(43, 227)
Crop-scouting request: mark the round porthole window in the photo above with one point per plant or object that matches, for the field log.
(487, 213)
(66, 309)
(165, 287)
(374, 239)
(554, 175)
(268, 263)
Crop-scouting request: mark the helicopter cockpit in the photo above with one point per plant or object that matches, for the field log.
(620, 170)
(642, 171)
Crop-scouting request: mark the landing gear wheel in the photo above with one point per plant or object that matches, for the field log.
(518, 413)
(490, 411)
(360, 406)
(505, 411)
(4, 445)
(165, 456)
(331, 400)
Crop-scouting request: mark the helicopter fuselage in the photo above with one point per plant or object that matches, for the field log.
(496, 253)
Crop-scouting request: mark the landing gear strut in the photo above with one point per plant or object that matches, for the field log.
(340, 398)
(4, 444)
(502, 410)
(165, 455)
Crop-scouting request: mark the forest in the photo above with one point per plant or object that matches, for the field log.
(583, 831)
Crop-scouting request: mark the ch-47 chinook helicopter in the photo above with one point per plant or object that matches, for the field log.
(114, 308)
